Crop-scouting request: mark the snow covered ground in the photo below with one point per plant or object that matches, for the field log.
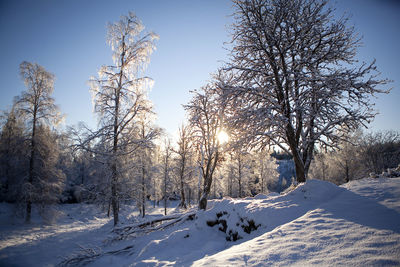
(318, 223)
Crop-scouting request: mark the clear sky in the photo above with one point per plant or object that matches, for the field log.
(67, 37)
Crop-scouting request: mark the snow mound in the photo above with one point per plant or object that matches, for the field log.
(353, 225)
(237, 218)
(315, 190)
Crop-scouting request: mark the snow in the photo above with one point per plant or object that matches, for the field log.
(318, 223)
(44, 245)
(343, 227)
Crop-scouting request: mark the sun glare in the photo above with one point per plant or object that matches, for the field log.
(223, 137)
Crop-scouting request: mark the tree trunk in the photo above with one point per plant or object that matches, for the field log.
(240, 175)
(154, 188)
(206, 191)
(190, 195)
(208, 177)
(114, 178)
(300, 174)
(298, 162)
(200, 177)
(347, 171)
(114, 174)
(165, 190)
(82, 170)
(165, 205)
(109, 208)
(114, 196)
(203, 203)
(183, 200)
(143, 191)
(182, 188)
(230, 182)
(262, 177)
(240, 188)
(31, 168)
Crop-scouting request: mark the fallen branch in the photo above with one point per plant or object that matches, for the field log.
(147, 227)
(87, 255)
(144, 224)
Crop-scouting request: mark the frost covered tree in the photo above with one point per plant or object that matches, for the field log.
(379, 151)
(143, 157)
(100, 179)
(241, 167)
(49, 178)
(338, 166)
(362, 155)
(205, 118)
(13, 156)
(229, 174)
(266, 170)
(184, 154)
(346, 159)
(120, 94)
(292, 80)
(37, 106)
(166, 172)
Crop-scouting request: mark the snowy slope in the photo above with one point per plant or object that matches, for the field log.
(357, 227)
(318, 223)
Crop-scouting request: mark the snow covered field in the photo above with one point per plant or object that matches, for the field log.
(357, 224)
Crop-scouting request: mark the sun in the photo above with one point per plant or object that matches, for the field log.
(223, 137)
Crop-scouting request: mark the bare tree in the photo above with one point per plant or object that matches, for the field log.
(205, 118)
(37, 106)
(120, 93)
(292, 80)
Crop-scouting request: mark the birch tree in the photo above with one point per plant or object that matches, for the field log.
(37, 106)
(120, 93)
(293, 80)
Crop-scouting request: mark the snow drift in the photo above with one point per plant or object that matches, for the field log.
(317, 223)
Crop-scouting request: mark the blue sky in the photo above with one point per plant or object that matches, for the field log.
(68, 39)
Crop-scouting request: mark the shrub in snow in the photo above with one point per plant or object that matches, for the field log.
(233, 225)
(389, 173)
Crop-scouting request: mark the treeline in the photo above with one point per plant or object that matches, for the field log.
(64, 171)
(363, 155)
